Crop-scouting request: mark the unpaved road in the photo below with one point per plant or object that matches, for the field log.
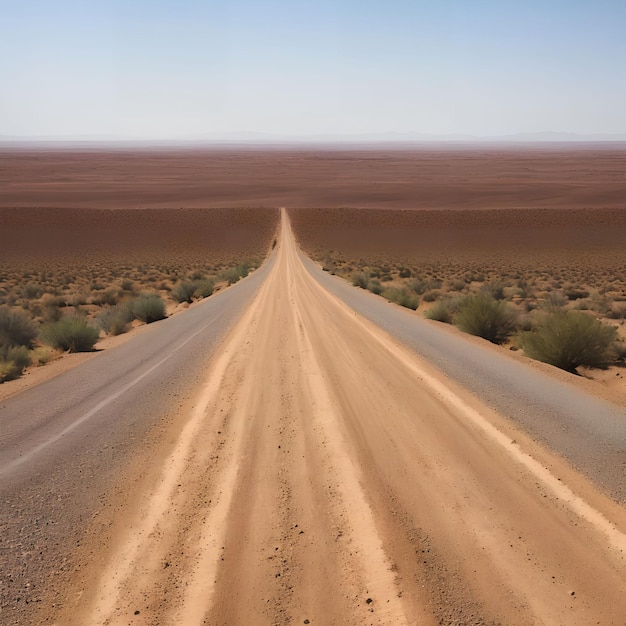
(322, 473)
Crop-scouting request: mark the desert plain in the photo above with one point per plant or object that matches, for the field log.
(297, 463)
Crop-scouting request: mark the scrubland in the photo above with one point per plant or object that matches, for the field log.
(516, 277)
(69, 277)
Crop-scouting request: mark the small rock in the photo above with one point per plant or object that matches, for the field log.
(572, 593)
(137, 612)
(369, 601)
(306, 621)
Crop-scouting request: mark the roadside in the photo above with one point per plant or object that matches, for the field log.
(64, 361)
(608, 383)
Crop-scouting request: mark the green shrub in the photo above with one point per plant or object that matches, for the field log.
(485, 317)
(115, 321)
(17, 359)
(569, 339)
(20, 356)
(230, 275)
(16, 329)
(360, 279)
(71, 334)
(243, 269)
(148, 308)
(183, 291)
(203, 287)
(401, 296)
(443, 310)
(619, 350)
(8, 371)
(374, 286)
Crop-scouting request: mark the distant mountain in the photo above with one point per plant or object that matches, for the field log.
(258, 138)
(557, 136)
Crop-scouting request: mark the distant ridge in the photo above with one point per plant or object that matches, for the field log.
(252, 138)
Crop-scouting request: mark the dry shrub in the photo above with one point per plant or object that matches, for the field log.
(485, 317)
(203, 287)
(360, 279)
(115, 320)
(569, 339)
(16, 329)
(403, 297)
(183, 291)
(14, 361)
(71, 334)
(148, 308)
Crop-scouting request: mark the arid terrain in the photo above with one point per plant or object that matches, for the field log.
(67, 263)
(293, 449)
(446, 177)
(535, 260)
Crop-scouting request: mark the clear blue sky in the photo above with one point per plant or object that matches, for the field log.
(166, 69)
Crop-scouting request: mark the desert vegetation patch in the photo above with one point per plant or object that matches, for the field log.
(68, 277)
(551, 282)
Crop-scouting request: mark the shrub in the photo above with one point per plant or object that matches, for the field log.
(430, 296)
(360, 280)
(148, 308)
(8, 371)
(554, 300)
(20, 356)
(231, 275)
(16, 329)
(16, 361)
(494, 289)
(203, 288)
(402, 297)
(127, 284)
(71, 334)
(457, 284)
(485, 317)
(374, 286)
(31, 291)
(576, 294)
(619, 350)
(49, 308)
(244, 269)
(569, 339)
(443, 310)
(110, 296)
(183, 291)
(115, 321)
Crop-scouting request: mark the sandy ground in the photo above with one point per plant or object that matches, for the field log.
(325, 475)
(551, 176)
(111, 237)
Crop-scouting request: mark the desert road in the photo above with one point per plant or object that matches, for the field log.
(275, 457)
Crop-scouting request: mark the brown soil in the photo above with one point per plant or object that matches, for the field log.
(116, 237)
(498, 177)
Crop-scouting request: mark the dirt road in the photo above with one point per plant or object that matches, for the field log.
(325, 475)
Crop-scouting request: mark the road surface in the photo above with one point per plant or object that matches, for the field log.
(318, 471)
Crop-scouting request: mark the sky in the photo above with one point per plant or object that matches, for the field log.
(157, 69)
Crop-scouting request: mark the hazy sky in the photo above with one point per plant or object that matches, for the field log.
(165, 69)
